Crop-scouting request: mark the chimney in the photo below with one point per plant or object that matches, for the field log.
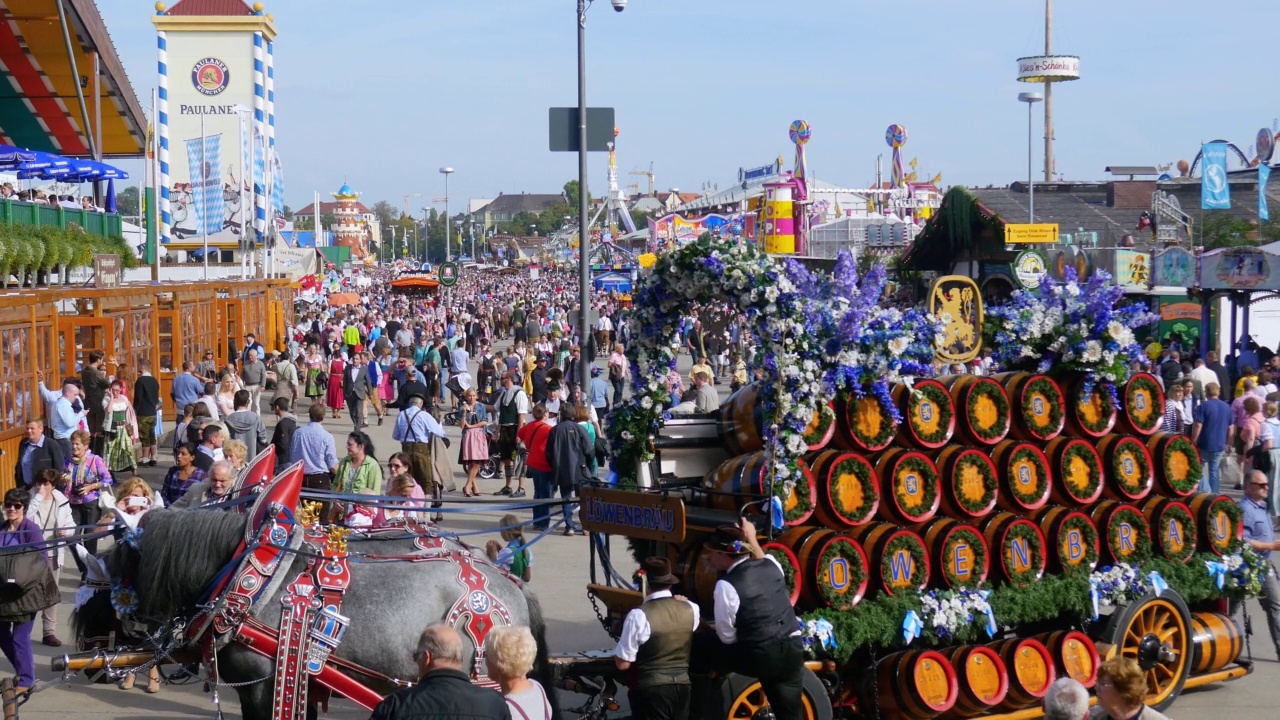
(1130, 194)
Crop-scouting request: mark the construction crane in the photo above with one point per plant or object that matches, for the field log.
(406, 201)
(634, 188)
(648, 174)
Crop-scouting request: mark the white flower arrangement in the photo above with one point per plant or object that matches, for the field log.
(948, 612)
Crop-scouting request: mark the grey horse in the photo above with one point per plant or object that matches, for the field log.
(389, 602)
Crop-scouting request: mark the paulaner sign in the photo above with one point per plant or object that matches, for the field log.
(633, 514)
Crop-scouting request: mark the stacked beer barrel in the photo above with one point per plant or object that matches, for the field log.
(1001, 478)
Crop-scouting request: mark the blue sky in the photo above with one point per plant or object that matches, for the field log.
(382, 94)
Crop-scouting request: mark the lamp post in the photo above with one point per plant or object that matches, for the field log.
(1030, 98)
(446, 171)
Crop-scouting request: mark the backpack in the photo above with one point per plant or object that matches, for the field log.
(520, 563)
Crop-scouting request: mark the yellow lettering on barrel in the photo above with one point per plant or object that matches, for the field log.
(983, 676)
(1178, 466)
(971, 486)
(1077, 660)
(848, 492)
(931, 681)
(1031, 669)
(868, 416)
(985, 414)
(1078, 472)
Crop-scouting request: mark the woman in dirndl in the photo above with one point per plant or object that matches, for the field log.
(333, 397)
(314, 363)
(121, 427)
(474, 452)
(386, 388)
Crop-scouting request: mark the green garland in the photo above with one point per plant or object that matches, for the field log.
(1107, 410)
(1234, 516)
(1154, 414)
(788, 568)
(1050, 598)
(1139, 459)
(928, 484)
(857, 574)
(941, 401)
(975, 541)
(1180, 443)
(826, 416)
(994, 393)
(1042, 476)
(804, 498)
(1174, 512)
(887, 425)
(1078, 450)
(1089, 533)
(1035, 543)
(919, 561)
(1141, 535)
(866, 478)
(990, 485)
(1053, 406)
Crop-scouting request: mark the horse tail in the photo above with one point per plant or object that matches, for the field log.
(542, 662)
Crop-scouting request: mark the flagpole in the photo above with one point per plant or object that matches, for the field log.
(246, 172)
(204, 189)
(153, 181)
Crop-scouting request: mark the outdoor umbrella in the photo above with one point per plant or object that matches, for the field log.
(109, 204)
(10, 154)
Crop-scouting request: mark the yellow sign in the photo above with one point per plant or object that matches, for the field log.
(1024, 233)
(957, 300)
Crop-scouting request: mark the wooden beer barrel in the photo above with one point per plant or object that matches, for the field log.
(958, 552)
(1075, 655)
(982, 408)
(820, 430)
(846, 485)
(1024, 474)
(863, 424)
(740, 420)
(1018, 546)
(914, 684)
(1216, 642)
(1177, 463)
(1035, 405)
(1031, 671)
(1071, 539)
(908, 486)
(1127, 467)
(1090, 414)
(833, 566)
(1124, 533)
(745, 479)
(982, 679)
(1141, 405)
(1173, 528)
(697, 577)
(897, 557)
(1217, 521)
(1077, 471)
(968, 481)
(928, 414)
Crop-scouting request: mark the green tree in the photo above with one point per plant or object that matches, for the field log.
(385, 212)
(127, 201)
(572, 192)
(641, 219)
(552, 219)
(288, 212)
(1220, 229)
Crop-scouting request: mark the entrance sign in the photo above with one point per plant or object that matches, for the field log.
(1026, 233)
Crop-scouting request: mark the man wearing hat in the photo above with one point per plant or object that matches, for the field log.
(415, 428)
(656, 640)
(753, 614)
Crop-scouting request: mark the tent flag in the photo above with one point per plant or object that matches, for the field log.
(206, 190)
(110, 203)
(277, 185)
(1264, 174)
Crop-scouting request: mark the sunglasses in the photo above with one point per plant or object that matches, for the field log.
(14, 506)
(1259, 484)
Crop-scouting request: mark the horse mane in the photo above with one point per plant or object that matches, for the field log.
(180, 552)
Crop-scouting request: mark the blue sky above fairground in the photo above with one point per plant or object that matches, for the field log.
(382, 94)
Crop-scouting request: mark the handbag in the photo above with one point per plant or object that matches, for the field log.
(322, 378)
(27, 585)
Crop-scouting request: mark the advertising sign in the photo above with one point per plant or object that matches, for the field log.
(1048, 68)
(637, 515)
(1215, 192)
(1239, 268)
(1029, 269)
(1025, 233)
(1132, 269)
(1174, 267)
(449, 274)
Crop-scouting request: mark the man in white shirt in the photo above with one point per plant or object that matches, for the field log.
(1202, 376)
(753, 613)
(657, 638)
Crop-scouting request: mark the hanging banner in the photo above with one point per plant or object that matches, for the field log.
(1264, 174)
(1174, 267)
(296, 263)
(204, 157)
(1132, 269)
(1215, 193)
(1240, 268)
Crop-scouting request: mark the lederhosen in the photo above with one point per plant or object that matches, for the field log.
(419, 452)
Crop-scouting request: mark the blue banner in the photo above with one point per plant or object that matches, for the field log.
(1264, 174)
(207, 199)
(1215, 193)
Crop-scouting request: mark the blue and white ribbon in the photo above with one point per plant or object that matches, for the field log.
(776, 514)
(1093, 596)
(1217, 571)
(825, 632)
(991, 614)
(912, 625)
(1158, 584)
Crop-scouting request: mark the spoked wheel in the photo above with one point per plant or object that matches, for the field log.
(742, 698)
(1156, 632)
(9, 698)
(490, 469)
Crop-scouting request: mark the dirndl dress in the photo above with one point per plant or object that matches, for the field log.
(119, 451)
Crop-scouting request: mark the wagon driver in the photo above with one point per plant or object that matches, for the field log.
(657, 639)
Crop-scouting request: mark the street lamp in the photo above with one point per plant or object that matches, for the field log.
(446, 171)
(1030, 98)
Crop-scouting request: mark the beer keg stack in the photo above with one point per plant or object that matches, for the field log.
(999, 479)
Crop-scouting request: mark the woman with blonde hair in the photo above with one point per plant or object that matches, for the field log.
(1122, 692)
(226, 396)
(510, 652)
(236, 453)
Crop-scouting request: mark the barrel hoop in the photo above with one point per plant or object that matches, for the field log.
(986, 407)
(989, 662)
(1128, 535)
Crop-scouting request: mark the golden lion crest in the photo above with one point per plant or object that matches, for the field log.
(956, 300)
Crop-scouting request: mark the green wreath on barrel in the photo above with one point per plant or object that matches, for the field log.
(928, 490)
(992, 393)
(1025, 454)
(1189, 533)
(788, 568)
(804, 499)
(1106, 408)
(863, 473)
(1053, 402)
(1089, 533)
(1117, 467)
(990, 486)
(1035, 542)
(1234, 516)
(1136, 383)
(1181, 444)
(979, 546)
(857, 574)
(941, 401)
(826, 416)
(887, 424)
(1081, 452)
(1141, 535)
(913, 546)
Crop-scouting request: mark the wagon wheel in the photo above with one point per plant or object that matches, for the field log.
(742, 698)
(9, 698)
(1156, 632)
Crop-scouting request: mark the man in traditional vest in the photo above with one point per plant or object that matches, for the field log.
(656, 640)
(753, 614)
